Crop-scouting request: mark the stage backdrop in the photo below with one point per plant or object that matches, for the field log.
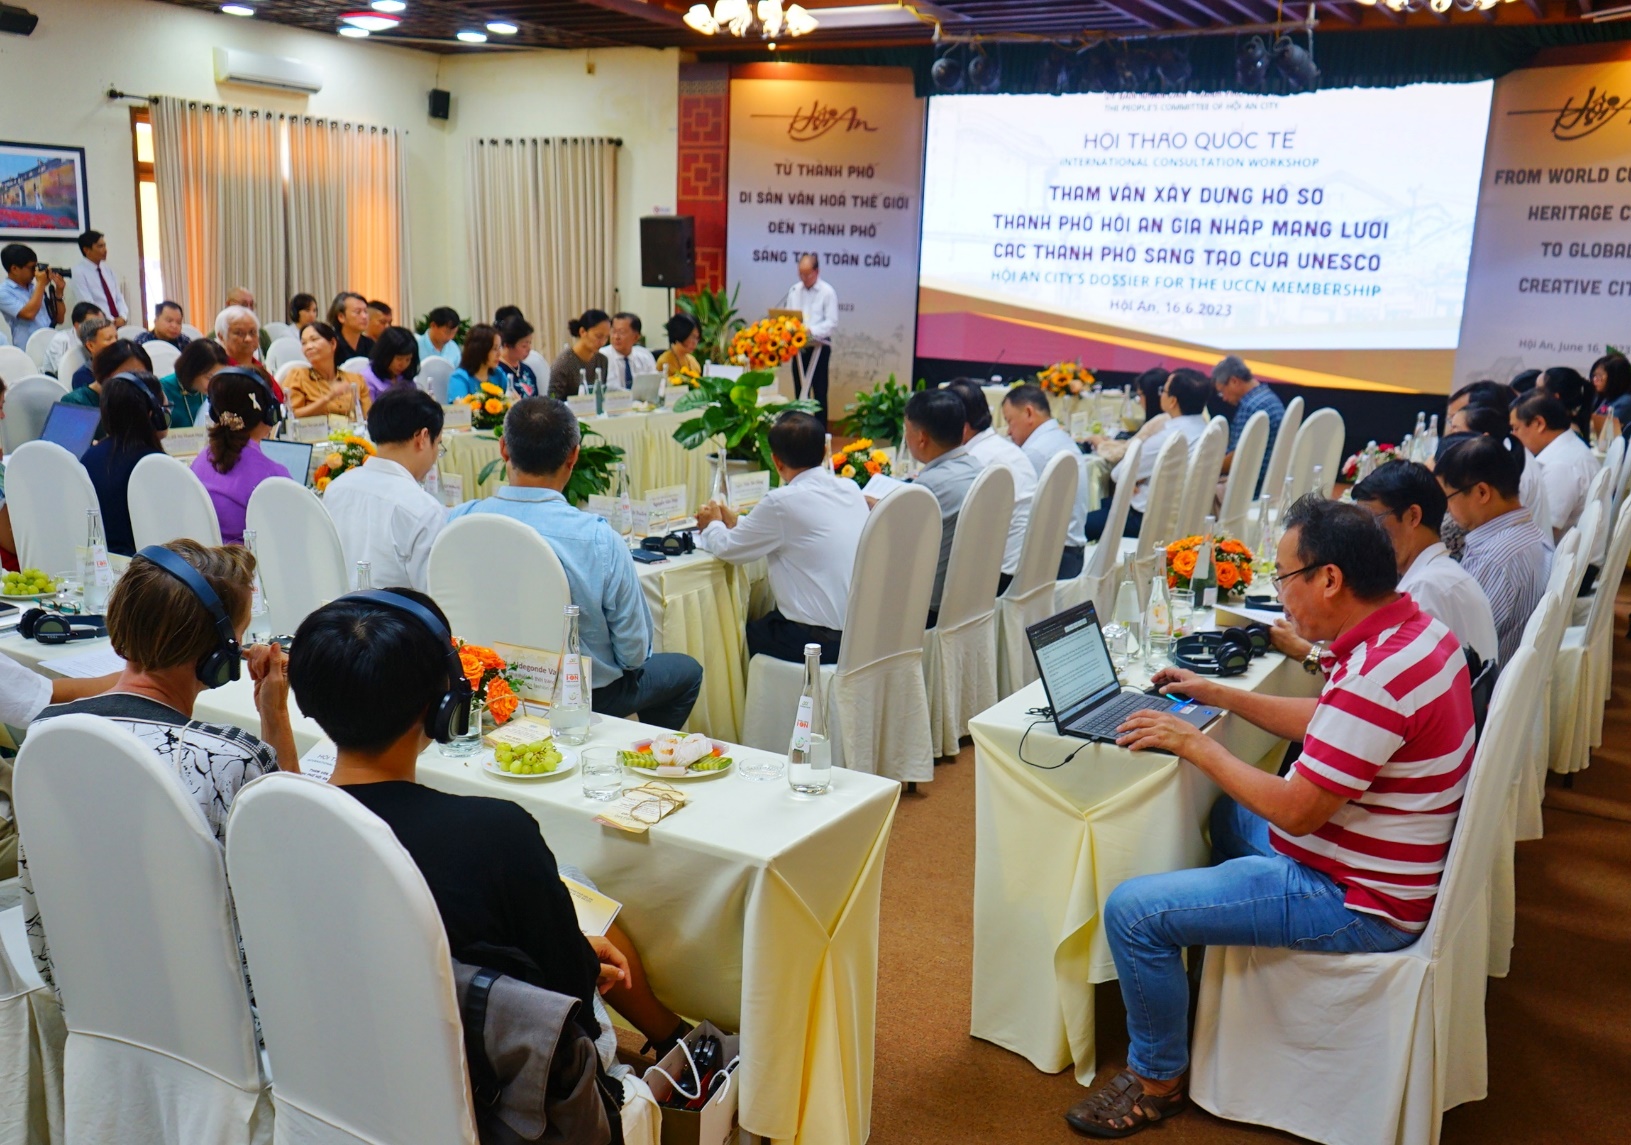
(831, 162)
(1551, 263)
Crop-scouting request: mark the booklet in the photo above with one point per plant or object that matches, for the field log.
(595, 910)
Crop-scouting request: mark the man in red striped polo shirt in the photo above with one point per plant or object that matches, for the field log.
(1343, 854)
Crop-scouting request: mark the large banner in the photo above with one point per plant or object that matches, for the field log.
(1551, 261)
(832, 167)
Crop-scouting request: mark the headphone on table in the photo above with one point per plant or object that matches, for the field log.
(673, 545)
(55, 628)
(450, 715)
(272, 414)
(1225, 653)
(157, 415)
(223, 663)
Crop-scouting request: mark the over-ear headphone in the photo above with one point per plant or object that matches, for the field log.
(1225, 653)
(223, 663)
(55, 628)
(450, 715)
(271, 410)
(149, 387)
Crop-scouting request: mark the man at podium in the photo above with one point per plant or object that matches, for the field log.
(817, 303)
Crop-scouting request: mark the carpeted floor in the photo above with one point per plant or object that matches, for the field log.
(1559, 1032)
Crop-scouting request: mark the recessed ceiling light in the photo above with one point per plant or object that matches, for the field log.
(354, 33)
(237, 9)
(371, 21)
(388, 6)
(470, 37)
(502, 27)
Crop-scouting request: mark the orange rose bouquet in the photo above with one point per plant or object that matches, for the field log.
(1232, 560)
(489, 679)
(860, 462)
(346, 451)
(487, 409)
(1063, 378)
(768, 343)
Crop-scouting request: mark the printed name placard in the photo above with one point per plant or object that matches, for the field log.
(310, 428)
(186, 441)
(536, 667)
(748, 489)
(452, 489)
(1079, 423)
(601, 504)
(672, 394)
(581, 405)
(456, 417)
(667, 506)
(619, 401)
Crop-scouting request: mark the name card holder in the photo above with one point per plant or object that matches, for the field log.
(311, 429)
(581, 405)
(187, 441)
(456, 417)
(748, 489)
(619, 402)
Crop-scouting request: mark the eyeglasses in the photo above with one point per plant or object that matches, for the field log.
(1459, 492)
(1280, 578)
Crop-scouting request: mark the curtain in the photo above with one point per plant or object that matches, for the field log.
(220, 188)
(542, 212)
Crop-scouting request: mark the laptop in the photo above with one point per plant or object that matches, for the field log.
(646, 387)
(71, 427)
(295, 456)
(1081, 681)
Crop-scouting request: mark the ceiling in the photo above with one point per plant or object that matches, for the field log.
(432, 24)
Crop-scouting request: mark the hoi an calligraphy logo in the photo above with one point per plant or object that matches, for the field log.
(1595, 111)
(804, 126)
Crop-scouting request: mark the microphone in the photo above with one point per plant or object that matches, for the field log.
(995, 362)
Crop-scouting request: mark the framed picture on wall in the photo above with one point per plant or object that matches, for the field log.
(43, 191)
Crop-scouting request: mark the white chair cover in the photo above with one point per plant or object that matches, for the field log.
(462, 561)
(1600, 491)
(282, 372)
(191, 331)
(49, 493)
(1030, 596)
(433, 376)
(1148, 555)
(541, 369)
(39, 344)
(67, 365)
(877, 702)
(1370, 1049)
(354, 365)
(1318, 442)
(131, 333)
(1614, 462)
(31, 1042)
(1101, 570)
(28, 404)
(15, 365)
(1580, 685)
(1235, 508)
(1622, 480)
(131, 887)
(285, 350)
(168, 502)
(276, 330)
(1201, 478)
(352, 974)
(162, 355)
(960, 651)
(1564, 579)
(1280, 454)
(297, 551)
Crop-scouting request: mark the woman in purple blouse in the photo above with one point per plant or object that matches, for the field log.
(243, 413)
(393, 363)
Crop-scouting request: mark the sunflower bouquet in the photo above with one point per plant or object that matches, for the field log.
(686, 377)
(489, 678)
(1064, 378)
(487, 408)
(768, 343)
(1233, 562)
(860, 462)
(346, 451)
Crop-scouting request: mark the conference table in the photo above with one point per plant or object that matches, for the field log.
(751, 907)
(1050, 846)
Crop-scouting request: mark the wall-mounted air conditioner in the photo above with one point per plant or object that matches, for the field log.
(233, 65)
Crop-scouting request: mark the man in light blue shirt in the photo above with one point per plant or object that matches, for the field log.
(24, 303)
(540, 444)
(437, 341)
(1032, 427)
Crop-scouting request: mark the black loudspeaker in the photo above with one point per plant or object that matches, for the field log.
(668, 251)
(19, 21)
(441, 103)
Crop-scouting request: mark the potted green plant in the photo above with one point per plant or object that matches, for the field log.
(731, 413)
(592, 473)
(880, 413)
(717, 319)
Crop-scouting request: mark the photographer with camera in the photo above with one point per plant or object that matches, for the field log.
(30, 295)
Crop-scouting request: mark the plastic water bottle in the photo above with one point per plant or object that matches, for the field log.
(809, 754)
(625, 507)
(569, 714)
(1158, 624)
(1418, 437)
(1126, 615)
(600, 390)
(1204, 581)
(364, 577)
(98, 574)
(1429, 446)
(1316, 481)
(260, 626)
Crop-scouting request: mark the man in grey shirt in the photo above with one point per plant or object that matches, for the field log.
(934, 435)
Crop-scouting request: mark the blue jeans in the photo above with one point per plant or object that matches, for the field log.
(663, 691)
(1253, 896)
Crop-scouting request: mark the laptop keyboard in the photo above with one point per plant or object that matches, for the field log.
(1107, 717)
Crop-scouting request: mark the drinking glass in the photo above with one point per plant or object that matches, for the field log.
(602, 774)
(762, 766)
(461, 746)
(1183, 612)
(69, 588)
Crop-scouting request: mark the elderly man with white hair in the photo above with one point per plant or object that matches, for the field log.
(238, 331)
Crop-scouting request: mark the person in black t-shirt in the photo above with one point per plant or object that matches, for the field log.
(369, 675)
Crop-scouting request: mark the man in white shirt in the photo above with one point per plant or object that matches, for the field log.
(1039, 435)
(382, 512)
(624, 355)
(807, 529)
(1566, 463)
(67, 336)
(1183, 400)
(441, 326)
(94, 280)
(819, 303)
(985, 447)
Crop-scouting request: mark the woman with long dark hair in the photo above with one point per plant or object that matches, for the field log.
(478, 358)
(393, 363)
(1611, 380)
(135, 418)
(187, 390)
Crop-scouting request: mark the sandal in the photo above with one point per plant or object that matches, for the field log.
(1123, 1100)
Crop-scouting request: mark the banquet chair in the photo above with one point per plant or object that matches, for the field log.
(355, 365)
(31, 1039)
(1280, 453)
(877, 702)
(1147, 555)
(15, 365)
(462, 561)
(168, 502)
(1318, 442)
(1622, 480)
(297, 552)
(191, 331)
(352, 975)
(1551, 739)
(281, 373)
(1600, 492)
(28, 404)
(39, 344)
(1030, 598)
(162, 355)
(1563, 579)
(130, 332)
(1581, 688)
(960, 651)
(1405, 1030)
(276, 330)
(1614, 462)
(132, 889)
(282, 351)
(1101, 566)
(67, 365)
(1234, 510)
(540, 368)
(49, 493)
(433, 377)
(1201, 478)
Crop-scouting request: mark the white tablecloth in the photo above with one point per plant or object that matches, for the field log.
(1050, 846)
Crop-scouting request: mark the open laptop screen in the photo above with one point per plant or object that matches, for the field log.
(1074, 660)
(295, 456)
(71, 427)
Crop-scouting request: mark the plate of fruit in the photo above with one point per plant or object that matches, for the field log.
(30, 584)
(674, 756)
(541, 759)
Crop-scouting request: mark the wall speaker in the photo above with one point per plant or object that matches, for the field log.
(19, 21)
(441, 103)
(668, 251)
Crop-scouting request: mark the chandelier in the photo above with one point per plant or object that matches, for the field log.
(736, 17)
(1435, 5)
